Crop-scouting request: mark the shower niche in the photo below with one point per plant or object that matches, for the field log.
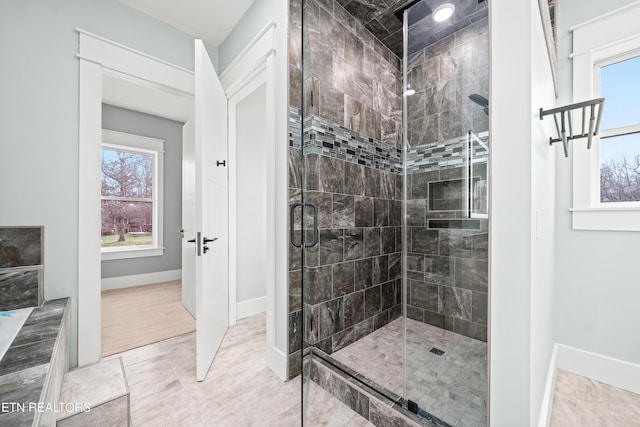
(447, 195)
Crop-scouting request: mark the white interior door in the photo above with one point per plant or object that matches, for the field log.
(188, 217)
(212, 257)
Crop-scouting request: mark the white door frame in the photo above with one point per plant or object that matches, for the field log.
(253, 67)
(255, 83)
(99, 56)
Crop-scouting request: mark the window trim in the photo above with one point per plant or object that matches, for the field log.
(599, 42)
(154, 146)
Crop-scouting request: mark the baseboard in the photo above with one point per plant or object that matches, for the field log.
(608, 370)
(277, 362)
(139, 279)
(251, 307)
(549, 389)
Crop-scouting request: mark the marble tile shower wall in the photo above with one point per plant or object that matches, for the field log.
(352, 139)
(352, 277)
(350, 77)
(21, 267)
(443, 76)
(446, 266)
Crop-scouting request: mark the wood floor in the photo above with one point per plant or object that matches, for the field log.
(141, 315)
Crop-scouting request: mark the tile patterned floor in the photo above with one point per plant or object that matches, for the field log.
(582, 402)
(451, 386)
(164, 391)
(239, 390)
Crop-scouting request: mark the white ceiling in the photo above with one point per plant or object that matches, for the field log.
(210, 20)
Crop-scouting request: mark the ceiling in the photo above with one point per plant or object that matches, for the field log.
(209, 20)
(379, 17)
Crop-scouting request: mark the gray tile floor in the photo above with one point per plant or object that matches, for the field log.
(164, 391)
(239, 389)
(581, 402)
(451, 386)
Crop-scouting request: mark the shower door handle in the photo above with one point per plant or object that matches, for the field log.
(292, 234)
(315, 225)
(303, 244)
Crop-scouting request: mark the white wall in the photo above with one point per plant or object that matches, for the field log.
(255, 19)
(521, 266)
(251, 198)
(597, 284)
(39, 117)
(543, 210)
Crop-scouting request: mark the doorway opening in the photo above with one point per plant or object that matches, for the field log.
(250, 204)
(141, 215)
(169, 87)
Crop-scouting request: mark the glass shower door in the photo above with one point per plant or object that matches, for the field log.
(446, 231)
(351, 162)
(390, 213)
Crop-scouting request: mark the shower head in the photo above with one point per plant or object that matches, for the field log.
(417, 13)
(481, 101)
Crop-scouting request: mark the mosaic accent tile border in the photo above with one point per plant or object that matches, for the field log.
(330, 139)
(443, 155)
(326, 138)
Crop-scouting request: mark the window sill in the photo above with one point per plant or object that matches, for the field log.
(131, 253)
(606, 218)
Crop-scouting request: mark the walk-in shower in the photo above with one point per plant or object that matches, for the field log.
(389, 195)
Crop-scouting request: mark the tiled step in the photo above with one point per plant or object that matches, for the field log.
(95, 395)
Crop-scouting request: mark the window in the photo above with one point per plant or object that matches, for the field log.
(620, 135)
(606, 178)
(131, 195)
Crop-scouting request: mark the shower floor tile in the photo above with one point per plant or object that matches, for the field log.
(446, 371)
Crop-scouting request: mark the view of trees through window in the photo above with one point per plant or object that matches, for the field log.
(620, 170)
(620, 142)
(127, 198)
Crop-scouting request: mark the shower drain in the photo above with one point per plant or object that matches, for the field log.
(436, 351)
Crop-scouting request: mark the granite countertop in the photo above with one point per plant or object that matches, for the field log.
(23, 369)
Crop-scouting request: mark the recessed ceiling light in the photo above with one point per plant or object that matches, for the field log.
(409, 91)
(443, 12)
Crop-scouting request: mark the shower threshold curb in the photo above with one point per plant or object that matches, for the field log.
(376, 404)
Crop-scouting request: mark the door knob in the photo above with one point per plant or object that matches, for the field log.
(206, 240)
(192, 240)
